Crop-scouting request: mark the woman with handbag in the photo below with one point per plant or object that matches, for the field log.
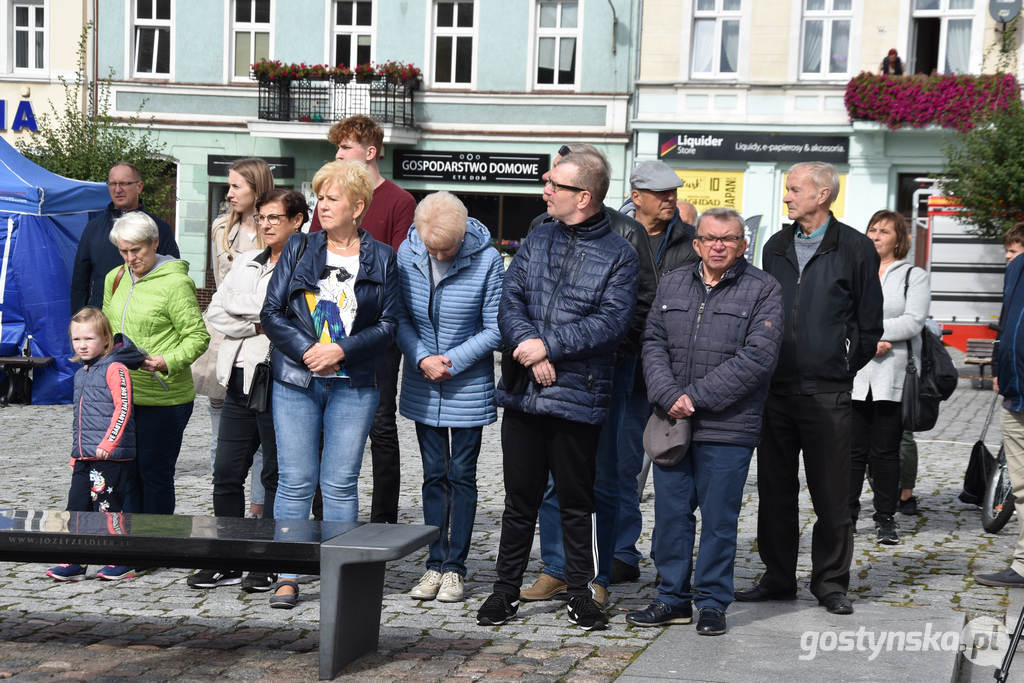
(878, 387)
(234, 232)
(244, 426)
(331, 315)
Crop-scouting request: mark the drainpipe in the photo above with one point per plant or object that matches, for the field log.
(95, 58)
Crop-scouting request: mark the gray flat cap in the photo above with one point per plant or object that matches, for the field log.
(655, 176)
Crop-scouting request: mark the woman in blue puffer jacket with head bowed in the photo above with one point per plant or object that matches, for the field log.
(448, 330)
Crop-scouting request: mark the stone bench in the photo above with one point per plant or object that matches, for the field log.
(349, 557)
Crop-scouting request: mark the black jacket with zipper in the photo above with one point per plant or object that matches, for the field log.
(833, 310)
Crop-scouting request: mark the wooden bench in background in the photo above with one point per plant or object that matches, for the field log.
(348, 557)
(979, 352)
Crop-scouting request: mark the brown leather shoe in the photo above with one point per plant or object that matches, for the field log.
(544, 588)
(600, 595)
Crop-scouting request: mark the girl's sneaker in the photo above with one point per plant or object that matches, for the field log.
(67, 572)
(115, 572)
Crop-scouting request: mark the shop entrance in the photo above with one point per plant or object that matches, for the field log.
(507, 216)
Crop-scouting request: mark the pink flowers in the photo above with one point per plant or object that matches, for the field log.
(950, 101)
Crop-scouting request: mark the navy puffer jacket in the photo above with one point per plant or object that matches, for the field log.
(718, 347)
(575, 289)
(104, 414)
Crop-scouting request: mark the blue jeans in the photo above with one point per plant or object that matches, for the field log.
(710, 477)
(344, 413)
(449, 491)
(158, 432)
(606, 490)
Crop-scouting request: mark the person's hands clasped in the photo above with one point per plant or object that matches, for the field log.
(323, 359)
(101, 453)
(154, 364)
(530, 352)
(683, 407)
(543, 373)
(436, 368)
(883, 348)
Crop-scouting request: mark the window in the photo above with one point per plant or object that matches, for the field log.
(558, 34)
(353, 32)
(941, 35)
(30, 44)
(716, 37)
(453, 42)
(152, 37)
(826, 38)
(251, 35)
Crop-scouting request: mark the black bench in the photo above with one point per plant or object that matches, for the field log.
(17, 386)
(348, 557)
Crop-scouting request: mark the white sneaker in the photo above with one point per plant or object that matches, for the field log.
(452, 588)
(426, 589)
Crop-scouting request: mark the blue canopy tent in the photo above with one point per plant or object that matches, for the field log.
(42, 216)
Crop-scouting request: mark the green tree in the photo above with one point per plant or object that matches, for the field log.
(76, 144)
(985, 172)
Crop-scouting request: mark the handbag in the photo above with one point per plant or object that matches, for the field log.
(924, 391)
(259, 390)
(666, 439)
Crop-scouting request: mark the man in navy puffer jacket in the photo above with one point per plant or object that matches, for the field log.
(566, 304)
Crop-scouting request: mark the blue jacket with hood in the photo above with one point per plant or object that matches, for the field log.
(459, 321)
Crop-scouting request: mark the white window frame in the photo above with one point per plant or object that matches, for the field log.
(557, 33)
(719, 16)
(945, 14)
(355, 30)
(250, 27)
(12, 30)
(133, 41)
(827, 16)
(454, 32)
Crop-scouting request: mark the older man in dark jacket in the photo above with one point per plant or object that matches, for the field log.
(833, 303)
(566, 304)
(711, 344)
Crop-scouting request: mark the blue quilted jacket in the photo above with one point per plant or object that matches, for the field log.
(460, 322)
(575, 288)
(104, 413)
(718, 347)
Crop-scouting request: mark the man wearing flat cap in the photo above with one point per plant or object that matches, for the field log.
(667, 245)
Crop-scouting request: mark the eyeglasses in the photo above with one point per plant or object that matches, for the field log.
(271, 218)
(564, 151)
(122, 183)
(727, 240)
(555, 187)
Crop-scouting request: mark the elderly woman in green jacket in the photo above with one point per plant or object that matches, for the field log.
(152, 300)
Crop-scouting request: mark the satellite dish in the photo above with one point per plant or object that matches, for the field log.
(1004, 11)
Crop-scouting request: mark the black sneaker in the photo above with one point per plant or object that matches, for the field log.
(497, 609)
(211, 578)
(660, 614)
(887, 531)
(586, 614)
(909, 506)
(623, 572)
(258, 582)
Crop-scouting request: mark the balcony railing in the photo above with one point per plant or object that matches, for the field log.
(303, 100)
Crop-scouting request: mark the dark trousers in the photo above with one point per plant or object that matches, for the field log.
(532, 446)
(819, 425)
(877, 429)
(384, 443)
(158, 432)
(241, 433)
(100, 485)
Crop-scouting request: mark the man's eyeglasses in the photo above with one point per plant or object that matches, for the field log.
(564, 151)
(555, 187)
(270, 218)
(727, 240)
(122, 183)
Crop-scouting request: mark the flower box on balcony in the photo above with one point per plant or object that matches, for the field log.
(950, 101)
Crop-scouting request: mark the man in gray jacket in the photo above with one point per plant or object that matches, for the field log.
(711, 344)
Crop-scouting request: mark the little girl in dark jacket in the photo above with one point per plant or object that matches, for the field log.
(103, 445)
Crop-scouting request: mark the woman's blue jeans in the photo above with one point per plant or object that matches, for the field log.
(449, 491)
(344, 414)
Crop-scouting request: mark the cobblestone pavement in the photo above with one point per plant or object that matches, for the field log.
(156, 628)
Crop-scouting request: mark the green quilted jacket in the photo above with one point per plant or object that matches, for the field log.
(159, 312)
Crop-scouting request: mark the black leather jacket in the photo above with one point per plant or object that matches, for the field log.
(286, 320)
